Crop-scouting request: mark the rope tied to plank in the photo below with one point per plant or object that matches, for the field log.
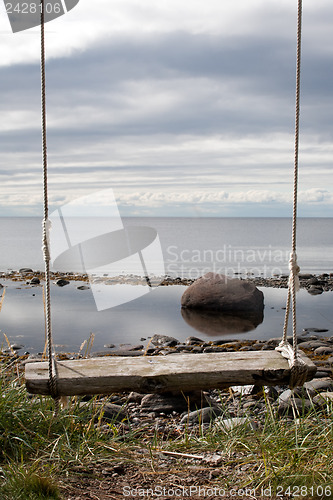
(46, 228)
(298, 367)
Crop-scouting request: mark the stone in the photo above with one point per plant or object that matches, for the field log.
(318, 385)
(35, 281)
(202, 416)
(275, 341)
(17, 347)
(116, 352)
(135, 397)
(323, 398)
(83, 287)
(222, 341)
(109, 346)
(303, 276)
(312, 344)
(197, 349)
(323, 350)
(130, 347)
(293, 404)
(214, 348)
(162, 403)
(25, 270)
(164, 340)
(168, 403)
(321, 374)
(229, 424)
(315, 330)
(216, 292)
(315, 290)
(287, 395)
(62, 282)
(112, 413)
(242, 390)
(193, 341)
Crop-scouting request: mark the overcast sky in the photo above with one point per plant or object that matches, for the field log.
(183, 107)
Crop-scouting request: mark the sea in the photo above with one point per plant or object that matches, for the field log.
(158, 247)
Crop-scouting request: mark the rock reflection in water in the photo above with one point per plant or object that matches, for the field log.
(213, 323)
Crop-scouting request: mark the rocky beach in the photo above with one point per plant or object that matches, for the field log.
(314, 342)
(312, 283)
(169, 416)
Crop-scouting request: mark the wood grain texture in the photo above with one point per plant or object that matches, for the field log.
(178, 372)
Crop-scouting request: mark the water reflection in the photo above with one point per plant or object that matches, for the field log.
(74, 317)
(213, 323)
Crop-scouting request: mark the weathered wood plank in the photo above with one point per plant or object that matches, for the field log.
(179, 372)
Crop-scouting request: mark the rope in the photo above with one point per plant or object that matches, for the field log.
(298, 367)
(46, 226)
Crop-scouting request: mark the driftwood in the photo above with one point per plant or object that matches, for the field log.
(175, 372)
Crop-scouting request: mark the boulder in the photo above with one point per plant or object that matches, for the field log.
(216, 292)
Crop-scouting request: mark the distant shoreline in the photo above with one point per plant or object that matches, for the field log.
(315, 284)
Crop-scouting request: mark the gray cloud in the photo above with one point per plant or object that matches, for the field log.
(173, 110)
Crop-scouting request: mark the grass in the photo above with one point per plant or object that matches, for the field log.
(37, 450)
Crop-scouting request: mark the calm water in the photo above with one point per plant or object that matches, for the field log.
(190, 247)
(74, 317)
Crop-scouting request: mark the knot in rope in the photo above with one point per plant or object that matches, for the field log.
(298, 367)
(294, 272)
(46, 240)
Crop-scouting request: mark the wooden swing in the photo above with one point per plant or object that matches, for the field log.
(182, 372)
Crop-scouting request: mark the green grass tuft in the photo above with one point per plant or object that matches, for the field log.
(37, 449)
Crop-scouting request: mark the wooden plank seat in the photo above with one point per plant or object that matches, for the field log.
(178, 372)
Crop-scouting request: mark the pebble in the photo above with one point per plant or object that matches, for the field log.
(161, 403)
(111, 413)
(294, 405)
(25, 270)
(214, 349)
(323, 350)
(193, 341)
(62, 282)
(315, 330)
(17, 347)
(312, 344)
(204, 415)
(164, 340)
(315, 386)
(323, 398)
(228, 424)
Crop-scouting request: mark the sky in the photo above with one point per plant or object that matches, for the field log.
(183, 108)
